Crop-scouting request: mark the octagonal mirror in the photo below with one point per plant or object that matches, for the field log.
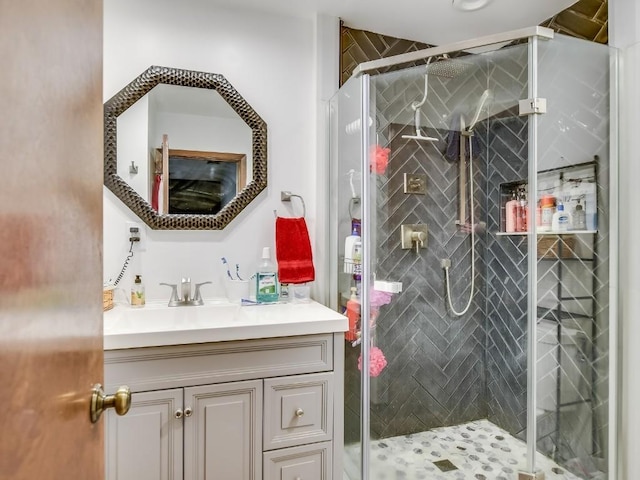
(183, 149)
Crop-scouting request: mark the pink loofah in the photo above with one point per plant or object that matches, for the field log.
(379, 158)
(377, 362)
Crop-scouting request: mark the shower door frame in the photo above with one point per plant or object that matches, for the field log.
(532, 35)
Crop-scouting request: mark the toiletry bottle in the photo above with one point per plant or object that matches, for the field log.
(349, 246)
(137, 292)
(353, 314)
(519, 212)
(284, 292)
(579, 217)
(524, 212)
(561, 221)
(357, 265)
(510, 214)
(547, 209)
(266, 279)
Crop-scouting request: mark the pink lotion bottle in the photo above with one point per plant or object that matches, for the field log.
(511, 212)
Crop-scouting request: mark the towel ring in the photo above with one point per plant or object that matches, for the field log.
(285, 196)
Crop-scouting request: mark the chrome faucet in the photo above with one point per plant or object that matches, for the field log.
(185, 298)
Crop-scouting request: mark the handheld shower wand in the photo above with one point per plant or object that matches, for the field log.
(467, 133)
(483, 99)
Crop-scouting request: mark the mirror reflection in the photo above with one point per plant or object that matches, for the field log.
(183, 149)
(209, 150)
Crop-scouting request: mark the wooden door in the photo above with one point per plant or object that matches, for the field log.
(146, 444)
(223, 434)
(50, 238)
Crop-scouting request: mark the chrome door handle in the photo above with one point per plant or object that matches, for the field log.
(178, 413)
(188, 412)
(299, 412)
(121, 401)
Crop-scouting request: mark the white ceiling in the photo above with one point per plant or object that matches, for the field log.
(434, 22)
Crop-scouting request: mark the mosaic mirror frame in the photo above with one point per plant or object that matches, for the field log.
(137, 89)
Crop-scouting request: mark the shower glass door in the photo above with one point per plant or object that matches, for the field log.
(574, 310)
(346, 248)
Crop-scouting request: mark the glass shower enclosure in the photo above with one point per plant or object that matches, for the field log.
(474, 236)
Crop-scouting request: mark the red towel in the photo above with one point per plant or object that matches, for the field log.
(293, 251)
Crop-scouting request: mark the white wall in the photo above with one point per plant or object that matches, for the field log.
(276, 64)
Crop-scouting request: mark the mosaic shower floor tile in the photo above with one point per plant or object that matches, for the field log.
(476, 450)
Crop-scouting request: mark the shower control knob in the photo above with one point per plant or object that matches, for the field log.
(413, 236)
(418, 238)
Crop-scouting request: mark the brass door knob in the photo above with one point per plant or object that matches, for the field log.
(121, 401)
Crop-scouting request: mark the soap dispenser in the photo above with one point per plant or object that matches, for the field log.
(579, 217)
(137, 292)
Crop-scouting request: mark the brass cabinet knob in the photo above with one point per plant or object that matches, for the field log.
(120, 401)
(188, 411)
(178, 413)
(299, 412)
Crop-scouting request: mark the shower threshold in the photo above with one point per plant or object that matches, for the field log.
(477, 450)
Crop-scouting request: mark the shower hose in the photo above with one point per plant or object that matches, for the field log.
(473, 238)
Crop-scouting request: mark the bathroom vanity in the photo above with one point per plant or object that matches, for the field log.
(226, 392)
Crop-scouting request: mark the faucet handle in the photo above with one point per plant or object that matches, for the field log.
(174, 293)
(197, 297)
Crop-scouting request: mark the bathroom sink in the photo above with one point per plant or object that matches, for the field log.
(159, 324)
(155, 317)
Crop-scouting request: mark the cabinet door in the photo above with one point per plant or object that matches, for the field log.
(223, 431)
(146, 443)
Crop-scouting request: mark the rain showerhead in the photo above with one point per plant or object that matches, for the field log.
(447, 67)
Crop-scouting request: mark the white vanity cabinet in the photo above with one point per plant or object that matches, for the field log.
(238, 410)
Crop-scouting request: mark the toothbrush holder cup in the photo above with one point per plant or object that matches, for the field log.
(236, 290)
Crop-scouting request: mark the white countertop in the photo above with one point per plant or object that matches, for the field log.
(157, 325)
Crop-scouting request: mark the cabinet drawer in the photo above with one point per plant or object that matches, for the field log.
(157, 368)
(310, 462)
(298, 410)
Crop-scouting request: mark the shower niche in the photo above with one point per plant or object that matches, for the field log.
(526, 363)
(572, 188)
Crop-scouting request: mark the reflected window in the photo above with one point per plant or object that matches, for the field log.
(198, 182)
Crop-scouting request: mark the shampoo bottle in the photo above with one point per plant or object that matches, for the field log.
(137, 292)
(350, 245)
(510, 214)
(561, 221)
(547, 210)
(353, 314)
(266, 279)
(522, 223)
